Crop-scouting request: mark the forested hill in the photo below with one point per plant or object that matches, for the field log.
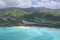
(43, 16)
(11, 17)
(13, 11)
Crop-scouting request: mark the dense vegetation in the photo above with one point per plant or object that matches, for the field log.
(44, 17)
(11, 17)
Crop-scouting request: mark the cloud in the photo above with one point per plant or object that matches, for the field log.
(24, 3)
(18, 3)
(57, 0)
(2, 4)
(50, 4)
(45, 3)
(30, 3)
(58, 4)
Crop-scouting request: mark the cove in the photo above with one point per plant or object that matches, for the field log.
(17, 33)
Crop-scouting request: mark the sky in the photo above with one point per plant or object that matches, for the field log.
(53, 4)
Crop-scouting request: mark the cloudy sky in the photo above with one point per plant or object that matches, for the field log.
(30, 3)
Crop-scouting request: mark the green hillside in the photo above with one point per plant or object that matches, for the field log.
(44, 17)
(14, 11)
(11, 17)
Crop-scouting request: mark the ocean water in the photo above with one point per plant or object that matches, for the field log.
(17, 33)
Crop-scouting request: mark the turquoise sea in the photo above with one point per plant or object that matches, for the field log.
(17, 33)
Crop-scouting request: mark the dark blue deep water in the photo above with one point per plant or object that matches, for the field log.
(29, 34)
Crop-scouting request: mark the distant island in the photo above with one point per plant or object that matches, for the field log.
(40, 17)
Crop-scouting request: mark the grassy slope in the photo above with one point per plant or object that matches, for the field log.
(11, 13)
(43, 17)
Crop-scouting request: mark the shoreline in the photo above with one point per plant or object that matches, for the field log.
(31, 27)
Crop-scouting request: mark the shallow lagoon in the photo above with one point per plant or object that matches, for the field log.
(17, 33)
